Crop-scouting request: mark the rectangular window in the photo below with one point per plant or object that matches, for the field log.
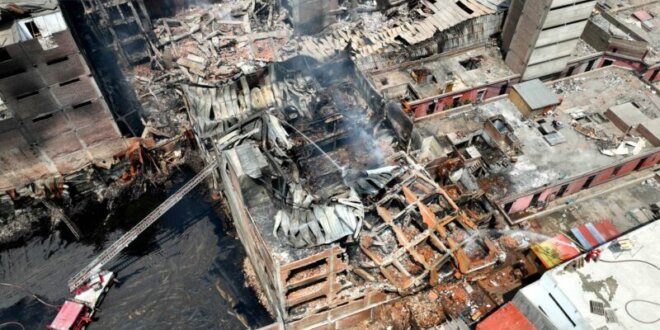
(57, 60)
(33, 29)
(641, 162)
(26, 95)
(655, 74)
(504, 88)
(588, 182)
(82, 104)
(456, 101)
(69, 82)
(42, 117)
(590, 65)
(11, 72)
(562, 190)
(464, 7)
(607, 63)
(570, 71)
(480, 95)
(431, 108)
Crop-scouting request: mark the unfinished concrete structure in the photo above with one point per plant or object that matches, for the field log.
(55, 120)
(115, 36)
(539, 36)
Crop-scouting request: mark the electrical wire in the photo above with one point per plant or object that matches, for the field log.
(636, 319)
(630, 260)
(2, 325)
(34, 295)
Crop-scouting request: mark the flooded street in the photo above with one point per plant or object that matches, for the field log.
(171, 277)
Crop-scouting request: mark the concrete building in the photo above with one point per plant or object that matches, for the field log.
(526, 161)
(54, 119)
(627, 31)
(446, 80)
(615, 292)
(539, 36)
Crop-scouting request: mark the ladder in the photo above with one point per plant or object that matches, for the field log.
(118, 246)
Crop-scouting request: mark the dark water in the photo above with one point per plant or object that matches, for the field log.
(169, 276)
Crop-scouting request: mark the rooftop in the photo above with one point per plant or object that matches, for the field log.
(431, 77)
(627, 202)
(609, 293)
(643, 18)
(536, 94)
(547, 154)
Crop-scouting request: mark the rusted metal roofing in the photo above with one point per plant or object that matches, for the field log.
(505, 318)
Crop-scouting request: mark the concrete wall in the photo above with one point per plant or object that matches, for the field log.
(445, 101)
(60, 122)
(311, 16)
(561, 33)
(544, 36)
(561, 16)
(573, 185)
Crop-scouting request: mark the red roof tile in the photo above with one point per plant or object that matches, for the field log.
(506, 318)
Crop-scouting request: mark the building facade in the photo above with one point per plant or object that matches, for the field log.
(54, 118)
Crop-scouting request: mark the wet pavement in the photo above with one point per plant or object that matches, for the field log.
(171, 277)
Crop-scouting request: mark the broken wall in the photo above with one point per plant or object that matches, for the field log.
(311, 16)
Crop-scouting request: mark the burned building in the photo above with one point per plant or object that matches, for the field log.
(339, 221)
(382, 160)
(524, 161)
(54, 117)
(445, 81)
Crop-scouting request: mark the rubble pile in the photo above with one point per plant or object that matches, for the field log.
(211, 44)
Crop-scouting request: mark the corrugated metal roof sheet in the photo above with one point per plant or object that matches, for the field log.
(506, 318)
(536, 94)
(593, 234)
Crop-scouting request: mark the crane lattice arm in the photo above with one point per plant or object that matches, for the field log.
(118, 246)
